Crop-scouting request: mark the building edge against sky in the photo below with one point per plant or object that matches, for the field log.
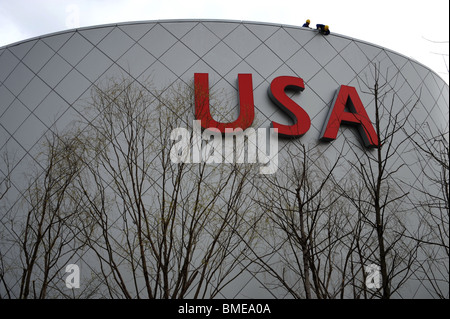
(189, 20)
(47, 82)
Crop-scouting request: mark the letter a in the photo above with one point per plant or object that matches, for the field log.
(347, 96)
(73, 279)
(202, 111)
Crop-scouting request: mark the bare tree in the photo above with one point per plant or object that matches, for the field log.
(306, 226)
(5, 179)
(377, 193)
(432, 149)
(5, 185)
(163, 229)
(109, 193)
(44, 227)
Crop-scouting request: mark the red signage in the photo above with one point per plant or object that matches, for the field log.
(247, 107)
(356, 115)
(277, 93)
(346, 98)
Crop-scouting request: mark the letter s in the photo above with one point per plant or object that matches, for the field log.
(277, 93)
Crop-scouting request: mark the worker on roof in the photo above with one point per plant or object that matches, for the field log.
(306, 24)
(324, 29)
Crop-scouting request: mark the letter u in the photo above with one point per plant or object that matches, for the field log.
(246, 103)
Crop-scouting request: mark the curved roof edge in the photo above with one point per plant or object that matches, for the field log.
(218, 21)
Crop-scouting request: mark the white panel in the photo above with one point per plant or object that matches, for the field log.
(282, 44)
(304, 65)
(95, 35)
(355, 58)
(115, 44)
(264, 61)
(55, 70)
(179, 28)
(38, 56)
(57, 41)
(320, 49)
(137, 31)
(301, 35)
(242, 41)
(75, 49)
(227, 57)
(21, 49)
(136, 60)
(200, 40)
(179, 58)
(6, 100)
(340, 70)
(34, 93)
(18, 79)
(30, 132)
(94, 64)
(14, 116)
(323, 85)
(50, 109)
(72, 86)
(157, 41)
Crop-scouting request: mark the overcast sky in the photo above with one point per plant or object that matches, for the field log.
(415, 28)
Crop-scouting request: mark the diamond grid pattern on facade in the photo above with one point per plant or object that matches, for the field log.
(38, 56)
(43, 81)
(54, 70)
(75, 49)
(200, 40)
(282, 45)
(242, 41)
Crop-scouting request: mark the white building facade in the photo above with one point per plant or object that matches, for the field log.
(308, 229)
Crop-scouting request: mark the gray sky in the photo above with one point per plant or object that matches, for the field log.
(405, 26)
